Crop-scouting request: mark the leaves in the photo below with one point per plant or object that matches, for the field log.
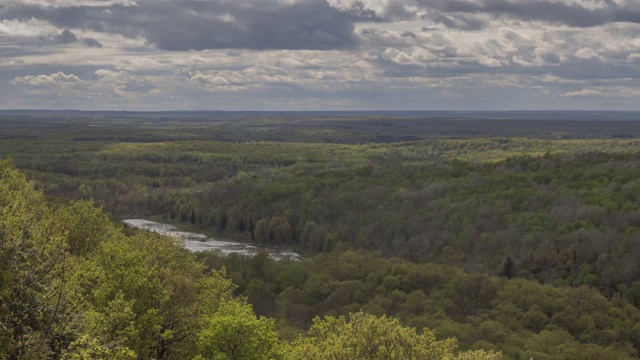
(73, 286)
(234, 332)
(367, 337)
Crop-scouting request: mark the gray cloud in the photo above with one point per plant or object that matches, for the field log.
(9, 52)
(89, 42)
(450, 12)
(66, 37)
(180, 25)
(376, 53)
(458, 21)
(548, 11)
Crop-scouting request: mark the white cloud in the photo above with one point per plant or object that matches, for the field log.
(46, 80)
(586, 53)
(27, 28)
(585, 92)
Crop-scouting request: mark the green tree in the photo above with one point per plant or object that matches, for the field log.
(262, 231)
(261, 297)
(367, 337)
(508, 269)
(152, 302)
(88, 348)
(234, 332)
(86, 227)
(35, 291)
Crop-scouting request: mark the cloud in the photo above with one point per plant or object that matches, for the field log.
(576, 13)
(89, 42)
(181, 25)
(458, 21)
(162, 54)
(584, 92)
(66, 37)
(47, 80)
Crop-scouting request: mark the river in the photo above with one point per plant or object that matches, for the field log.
(200, 242)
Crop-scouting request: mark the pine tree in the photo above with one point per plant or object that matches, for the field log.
(241, 224)
(509, 268)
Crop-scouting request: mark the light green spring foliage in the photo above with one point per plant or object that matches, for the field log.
(88, 348)
(73, 286)
(367, 337)
(158, 292)
(85, 227)
(32, 270)
(235, 333)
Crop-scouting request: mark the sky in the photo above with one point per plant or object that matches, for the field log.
(320, 54)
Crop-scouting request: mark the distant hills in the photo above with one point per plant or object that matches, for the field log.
(570, 115)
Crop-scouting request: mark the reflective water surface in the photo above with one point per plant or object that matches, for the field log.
(201, 242)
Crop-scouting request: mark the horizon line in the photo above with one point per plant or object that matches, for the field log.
(317, 111)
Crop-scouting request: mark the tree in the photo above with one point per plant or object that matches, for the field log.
(508, 270)
(367, 337)
(281, 229)
(35, 292)
(241, 224)
(152, 302)
(305, 234)
(471, 293)
(262, 231)
(234, 332)
(261, 297)
(85, 225)
(87, 348)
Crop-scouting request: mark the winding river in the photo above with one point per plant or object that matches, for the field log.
(200, 242)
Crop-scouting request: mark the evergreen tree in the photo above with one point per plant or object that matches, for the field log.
(508, 269)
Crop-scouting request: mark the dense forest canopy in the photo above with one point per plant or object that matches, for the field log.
(74, 286)
(516, 236)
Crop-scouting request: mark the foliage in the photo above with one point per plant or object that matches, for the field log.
(480, 311)
(559, 209)
(73, 286)
(34, 285)
(87, 348)
(521, 237)
(233, 332)
(367, 337)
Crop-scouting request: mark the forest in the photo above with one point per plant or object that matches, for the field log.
(74, 286)
(464, 237)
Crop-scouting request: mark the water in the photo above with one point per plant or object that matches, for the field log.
(200, 242)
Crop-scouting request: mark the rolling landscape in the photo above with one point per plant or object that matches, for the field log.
(516, 236)
(319, 179)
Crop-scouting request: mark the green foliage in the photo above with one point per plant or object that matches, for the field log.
(550, 206)
(73, 286)
(233, 332)
(34, 286)
(367, 337)
(86, 227)
(152, 301)
(537, 211)
(480, 311)
(548, 203)
(87, 348)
